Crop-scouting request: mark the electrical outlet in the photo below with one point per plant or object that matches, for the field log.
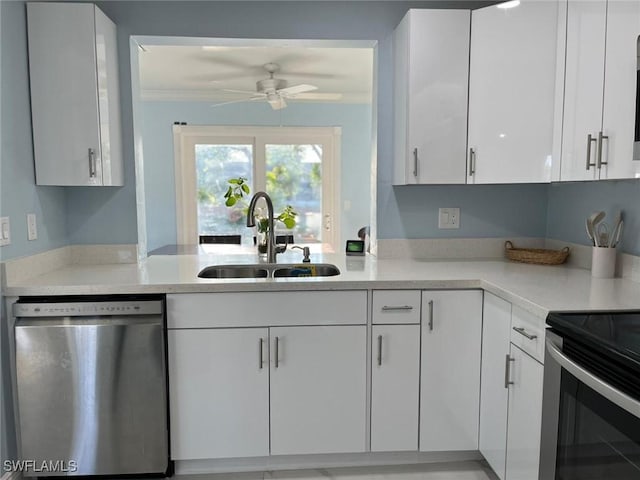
(32, 228)
(449, 218)
(5, 231)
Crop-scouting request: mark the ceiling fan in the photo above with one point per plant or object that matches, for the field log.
(276, 90)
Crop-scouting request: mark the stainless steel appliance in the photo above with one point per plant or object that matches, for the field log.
(591, 411)
(91, 386)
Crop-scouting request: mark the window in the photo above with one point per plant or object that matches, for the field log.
(296, 166)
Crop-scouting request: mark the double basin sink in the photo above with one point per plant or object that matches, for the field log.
(270, 270)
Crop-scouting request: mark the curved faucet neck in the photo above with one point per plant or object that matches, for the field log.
(271, 238)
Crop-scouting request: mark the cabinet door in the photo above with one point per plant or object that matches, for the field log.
(395, 379)
(525, 417)
(512, 92)
(64, 98)
(219, 393)
(318, 389)
(623, 51)
(450, 370)
(430, 96)
(494, 395)
(584, 82)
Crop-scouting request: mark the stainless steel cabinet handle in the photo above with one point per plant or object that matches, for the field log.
(92, 163)
(472, 162)
(524, 333)
(379, 350)
(599, 161)
(415, 162)
(507, 370)
(430, 315)
(260, 353)
(277, 344)
(589, 140)
(392, 308)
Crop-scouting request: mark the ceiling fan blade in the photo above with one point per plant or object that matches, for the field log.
(317, 96)
(296, 89)
(230, 101)
(245, 92)
(278, 104)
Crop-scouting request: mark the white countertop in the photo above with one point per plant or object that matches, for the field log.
(538, 289)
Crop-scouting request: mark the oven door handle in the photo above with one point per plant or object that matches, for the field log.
(612, 394)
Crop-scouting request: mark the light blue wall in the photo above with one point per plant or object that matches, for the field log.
(280, 20)
(18, 193)
(157, 121)
(485, 211)
(571, 203)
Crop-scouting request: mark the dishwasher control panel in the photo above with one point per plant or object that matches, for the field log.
(83, 309)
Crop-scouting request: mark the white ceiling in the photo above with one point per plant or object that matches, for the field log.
(170, 72)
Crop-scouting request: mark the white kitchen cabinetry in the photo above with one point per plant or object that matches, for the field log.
(525, 416)
(431, 71)
(219, 393)
(262, 387)
(395, 380)
(600, 83)
(494, 395)
(511, 391)
(318, 389)
(450, 370)
(512, 93)
(621, 66)
(75, 100)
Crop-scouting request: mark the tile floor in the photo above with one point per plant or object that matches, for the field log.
(436, 471)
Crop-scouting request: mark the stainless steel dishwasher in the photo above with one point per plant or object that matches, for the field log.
(91, 386)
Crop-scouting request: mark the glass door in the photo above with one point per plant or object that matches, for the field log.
(596, 438)
(216, 163)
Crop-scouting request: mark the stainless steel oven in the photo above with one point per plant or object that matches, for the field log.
(591, 410)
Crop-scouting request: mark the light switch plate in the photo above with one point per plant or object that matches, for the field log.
(448, 218)
(32, 228)
(5, 231)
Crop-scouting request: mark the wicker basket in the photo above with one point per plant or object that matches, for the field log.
(539, 256)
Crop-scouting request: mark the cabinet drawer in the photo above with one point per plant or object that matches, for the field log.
(252, 309)
(527, 332)
(396, 306)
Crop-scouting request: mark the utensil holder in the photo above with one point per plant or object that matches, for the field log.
(603, 262)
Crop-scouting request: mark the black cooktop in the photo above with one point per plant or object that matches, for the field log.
(615, 335)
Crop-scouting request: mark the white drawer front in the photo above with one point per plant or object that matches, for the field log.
(396, 306)
(527, 332)
(252, 309)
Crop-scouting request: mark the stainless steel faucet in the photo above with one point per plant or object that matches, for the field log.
(271, 238)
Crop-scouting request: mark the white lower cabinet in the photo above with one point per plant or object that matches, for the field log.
(318, 389)
(511, 392)
(525, 416)
(395, 374)
(218, 393)
(450, 370)
(494, 395)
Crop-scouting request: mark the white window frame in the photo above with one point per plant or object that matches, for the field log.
(185, 137)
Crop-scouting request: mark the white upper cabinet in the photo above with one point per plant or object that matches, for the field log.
(431, 53)
(601, 59)
(620, 87)
(75, 101)
(512, 93)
